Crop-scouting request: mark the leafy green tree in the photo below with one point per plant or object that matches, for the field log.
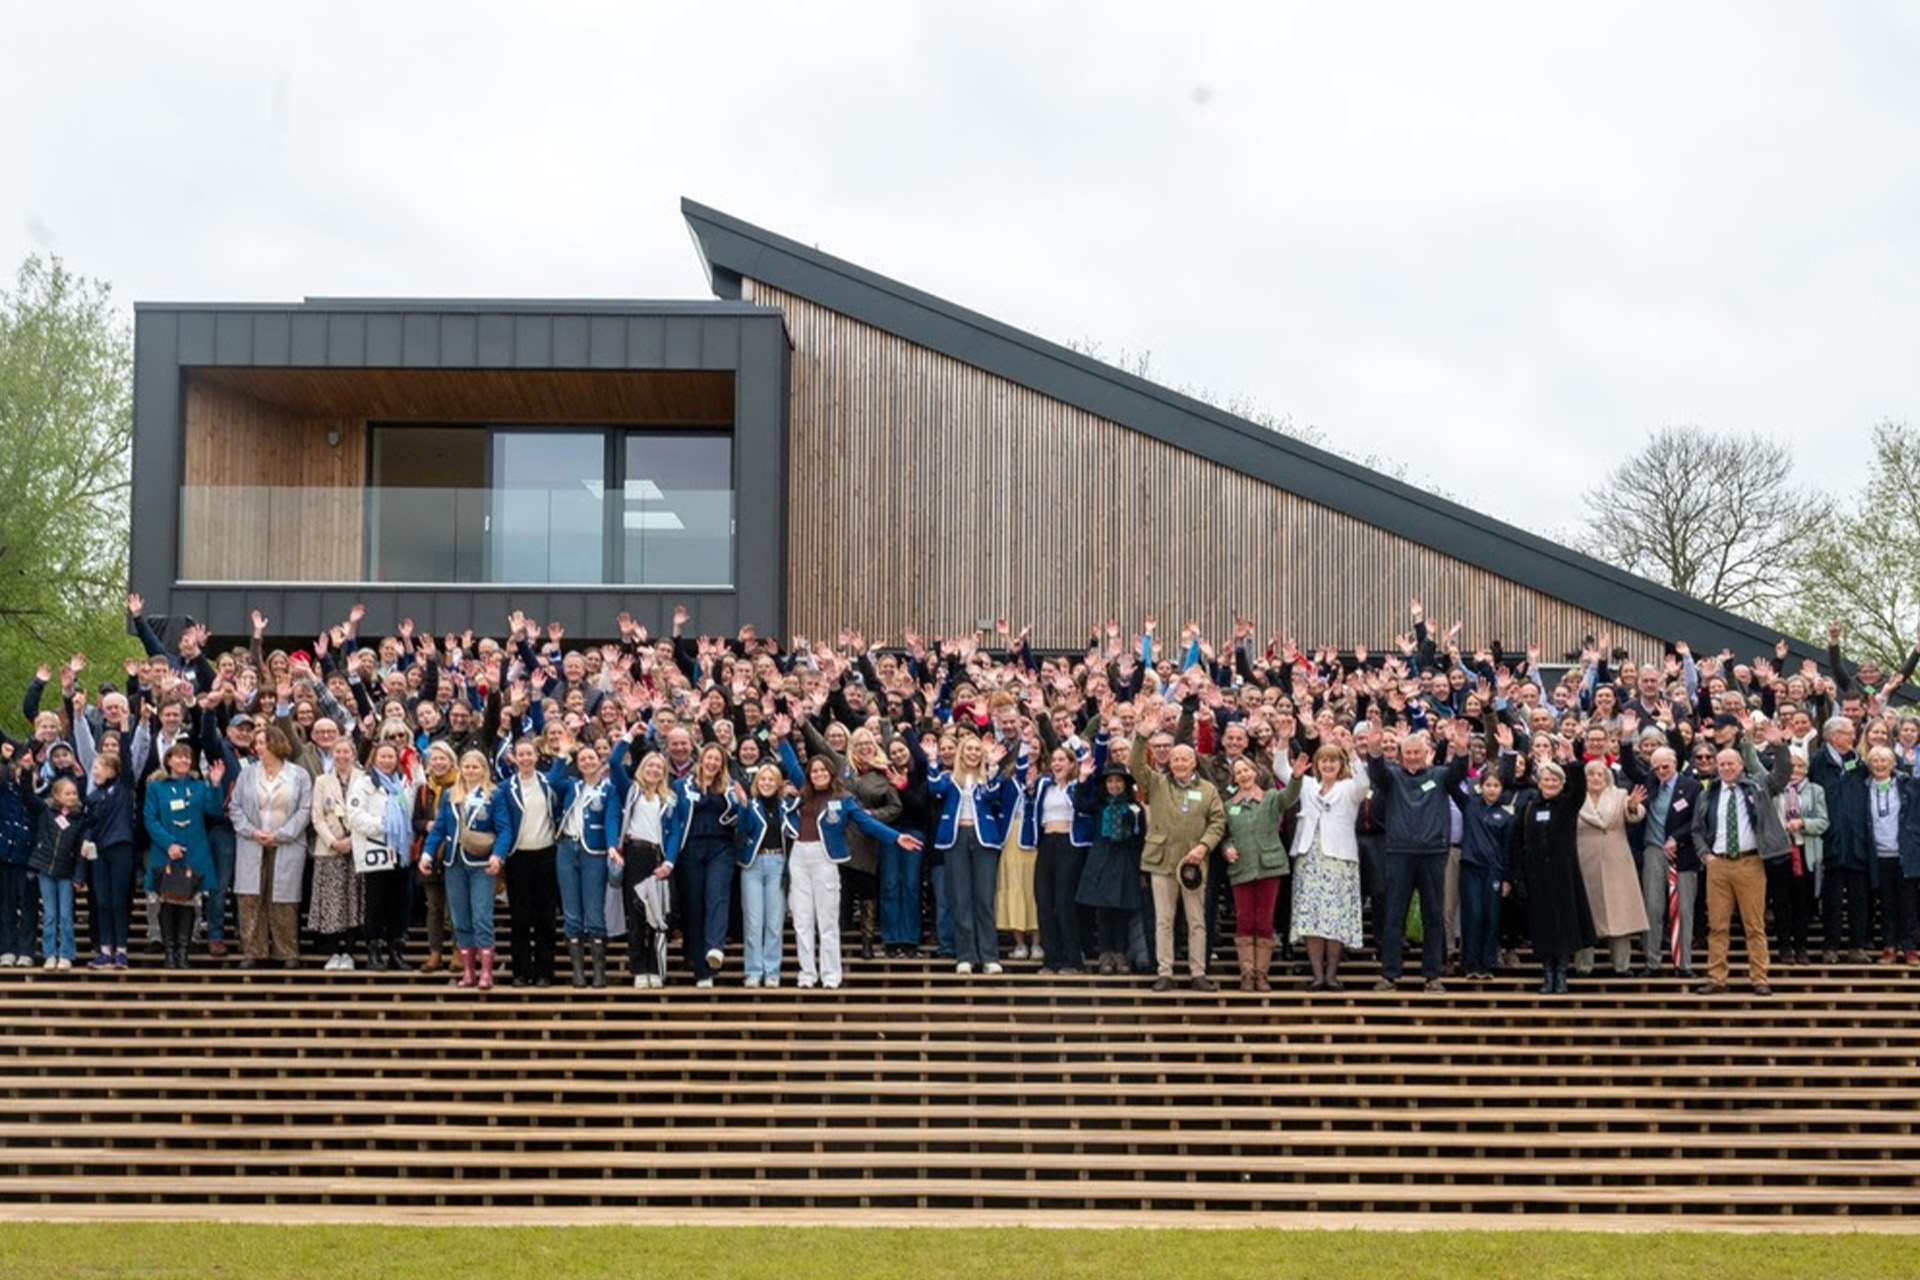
(66, 430)
(1862, 566)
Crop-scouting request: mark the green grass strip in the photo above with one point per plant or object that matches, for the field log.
(214, 1251)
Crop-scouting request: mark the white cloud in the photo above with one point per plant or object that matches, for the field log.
(1497, 240)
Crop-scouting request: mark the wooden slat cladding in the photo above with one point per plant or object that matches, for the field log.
(927, 493)
(650, 398)
(270, 500)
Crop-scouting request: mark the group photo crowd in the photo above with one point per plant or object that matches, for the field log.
(1121, 811)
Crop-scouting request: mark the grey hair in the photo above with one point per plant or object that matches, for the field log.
(1550, 769)
(1833, 725)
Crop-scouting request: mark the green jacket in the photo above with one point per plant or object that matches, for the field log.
(1254, 830)
(1178, 817)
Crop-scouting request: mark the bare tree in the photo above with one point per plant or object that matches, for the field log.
(1713, 515)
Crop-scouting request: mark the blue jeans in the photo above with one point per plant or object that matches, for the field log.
(763, 913)
(942, 910)
(1427, 873)
(470, 903)
(220, 841)
(900, 897)
(973, 879)
(705, 872)
(583, 890)
(16, 909)
(1479, 919)
(111, 876)
(56, 917)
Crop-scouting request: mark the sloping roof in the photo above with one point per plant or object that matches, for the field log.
(733, 249)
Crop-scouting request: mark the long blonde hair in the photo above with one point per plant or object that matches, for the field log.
(458, 788)
(665, 788)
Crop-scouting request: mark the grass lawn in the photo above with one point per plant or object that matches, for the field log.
(211, 1251)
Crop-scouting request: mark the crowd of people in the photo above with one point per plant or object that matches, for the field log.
(1113, 810)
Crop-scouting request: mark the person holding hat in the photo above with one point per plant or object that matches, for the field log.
(1185, 819)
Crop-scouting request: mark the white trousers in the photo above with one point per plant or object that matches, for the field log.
(813, 899)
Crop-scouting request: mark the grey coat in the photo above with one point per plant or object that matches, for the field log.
(290, 839)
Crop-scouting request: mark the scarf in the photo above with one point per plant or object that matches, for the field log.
(396, 823)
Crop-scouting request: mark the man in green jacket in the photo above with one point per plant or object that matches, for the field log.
(1185, 819)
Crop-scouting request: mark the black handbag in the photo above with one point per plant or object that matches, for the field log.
(179, 883)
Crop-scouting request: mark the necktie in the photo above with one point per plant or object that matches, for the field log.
(1733, 822)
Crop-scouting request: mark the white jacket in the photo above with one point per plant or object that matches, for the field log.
(1332, 816)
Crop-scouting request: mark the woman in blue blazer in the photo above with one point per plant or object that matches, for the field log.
(590, 792)
(462, 846)
(1052, 824)
(975, 804)
(821, 814)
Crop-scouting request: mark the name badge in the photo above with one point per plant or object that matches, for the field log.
(1193, 795)
(60, 821)
(1234, 809)
(1679, 805)
(176, 805)
(1427, 785)
(833, 807)
(1543, 816)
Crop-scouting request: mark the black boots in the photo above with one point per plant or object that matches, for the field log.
(376, 955)
(576, 952)
(867, 912)
(599, 962)
(176, 933)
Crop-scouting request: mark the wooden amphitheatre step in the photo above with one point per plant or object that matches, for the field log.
(914, 1089)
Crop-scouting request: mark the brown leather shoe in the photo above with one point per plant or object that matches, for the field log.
(433, 963)
(1710, 989)
(1762, 989)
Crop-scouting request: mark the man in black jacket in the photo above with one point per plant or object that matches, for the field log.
(1417, 814)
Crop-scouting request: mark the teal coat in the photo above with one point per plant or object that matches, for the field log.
(177, 812)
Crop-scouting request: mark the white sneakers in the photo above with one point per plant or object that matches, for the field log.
(58, 963)
(992, 966)
(339, 961)
(6, 961)
(1020, 952)
(1036, 952)
(752, 980)
(716, 958)
(964, 967)
(704, 983)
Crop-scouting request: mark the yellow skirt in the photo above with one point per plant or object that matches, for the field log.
(1014, 908)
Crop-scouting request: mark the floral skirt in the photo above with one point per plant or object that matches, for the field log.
(1326, 899)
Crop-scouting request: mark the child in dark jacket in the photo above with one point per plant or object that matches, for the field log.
(1486, 841)
(1110, 878)
(111, 819)
(59, 832)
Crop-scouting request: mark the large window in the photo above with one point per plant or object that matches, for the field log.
(582, 506)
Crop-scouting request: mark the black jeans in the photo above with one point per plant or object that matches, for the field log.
(1897, 906)
(1405, 872)
(1056, 878)
(386, 891)
(1790, 898)
(533, 893)
(1846, 892)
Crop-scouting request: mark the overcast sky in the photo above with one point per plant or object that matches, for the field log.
(1440, 232)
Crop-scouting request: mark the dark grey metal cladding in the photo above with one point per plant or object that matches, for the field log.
(732, 249)
(462, 334)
